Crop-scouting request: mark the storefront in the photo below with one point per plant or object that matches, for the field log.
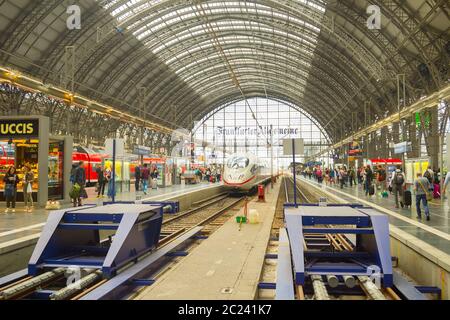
(25, 140)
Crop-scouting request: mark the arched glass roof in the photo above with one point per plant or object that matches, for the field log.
(180, 59)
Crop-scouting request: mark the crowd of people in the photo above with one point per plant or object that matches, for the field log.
(144, 177)
(377, 181)
(211, 173)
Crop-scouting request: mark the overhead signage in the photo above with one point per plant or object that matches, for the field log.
(258, 131)
(19, 128)
(141, 150)
(289, 144)
(403, 147)
(354, 149)
(117, 145)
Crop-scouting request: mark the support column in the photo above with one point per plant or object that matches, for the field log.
(412, 128)
(433, 139)
(384, 144)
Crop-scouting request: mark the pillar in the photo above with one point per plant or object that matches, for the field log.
(433, 139)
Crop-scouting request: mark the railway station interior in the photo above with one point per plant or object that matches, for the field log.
(259, 151)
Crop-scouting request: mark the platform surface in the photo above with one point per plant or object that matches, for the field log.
(23, 225)
(435, 232)
(226, 266)
(318, 211)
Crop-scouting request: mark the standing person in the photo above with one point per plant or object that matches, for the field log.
(28, 178)
(422, 187)
(319, 175)
(342, 176)
(327, 176)
(208, 174)
(101, 180)
(429, 174)
(218, 174)
(145, 175)
(444, 188)
(351, 176)
(80, 179)
(382, 178)
(154, 176)
(108, 179)
(369, 179)
(397, 183)
(11, 179)
(332, 176)
(137, 177)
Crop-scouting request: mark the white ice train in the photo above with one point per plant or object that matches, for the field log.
(243, 172)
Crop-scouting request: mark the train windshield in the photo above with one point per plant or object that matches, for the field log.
(238, 163)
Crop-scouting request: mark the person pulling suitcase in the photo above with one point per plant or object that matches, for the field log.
(398, 184)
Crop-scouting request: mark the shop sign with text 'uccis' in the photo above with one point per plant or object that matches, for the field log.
(19, 128)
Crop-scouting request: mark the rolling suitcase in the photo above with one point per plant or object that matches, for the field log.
(407, 198)
(371, 190)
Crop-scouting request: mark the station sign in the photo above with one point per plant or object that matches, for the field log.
(142, 150)
(11, 128)
(402, 147)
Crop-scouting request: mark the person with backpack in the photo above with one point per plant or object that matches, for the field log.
(80, 181)
(145, 175)
(398, 183)
(422, 188)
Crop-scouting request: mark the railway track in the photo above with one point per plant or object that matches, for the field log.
(334, 242)
(210, 214)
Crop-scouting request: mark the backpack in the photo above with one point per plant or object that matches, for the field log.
(382, 176)
(399, 178)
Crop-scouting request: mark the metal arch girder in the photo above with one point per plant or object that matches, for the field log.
(29, 23)
(257, 18)
(285, 94)
(227, 101)
(307, 14)
(254, 80)
(90, 20)
(375, 88)
(208, 83)
(280, 62)
(392, 9)
(358, 17)
(157, 102)
(175, 90)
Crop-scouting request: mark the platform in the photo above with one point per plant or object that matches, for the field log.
(22, 229)
(435, 232)
(226, 266)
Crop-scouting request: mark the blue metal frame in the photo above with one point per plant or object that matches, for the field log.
(115, 287)
(71, 237)
(406, 288)
(372, 247)
(174, 205)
